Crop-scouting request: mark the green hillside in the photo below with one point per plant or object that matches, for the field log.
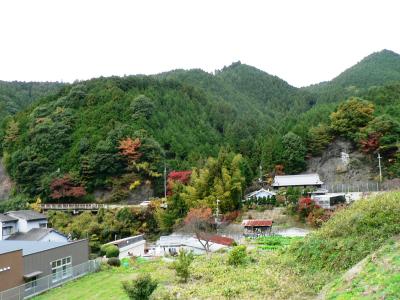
(376, 277)
(376, 69)
(182, 117)
(15, 96)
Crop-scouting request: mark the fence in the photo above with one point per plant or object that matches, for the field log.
(369, 186)
(45, 283)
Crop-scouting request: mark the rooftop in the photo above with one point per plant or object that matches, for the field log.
(28, 247)
(28, 215)
(5, 218)
(257, 223)
(35, 234)
(127, 241)
(297, 180)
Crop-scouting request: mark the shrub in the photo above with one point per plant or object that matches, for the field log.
(140, 288)
(237, 256)
(103, 249)
(351, 233)
(182, 264)
(112, 251)
(114, 261)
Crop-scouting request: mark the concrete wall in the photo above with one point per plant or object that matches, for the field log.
(79, 252)
(11, 270)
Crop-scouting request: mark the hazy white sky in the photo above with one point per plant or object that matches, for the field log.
(302, 42)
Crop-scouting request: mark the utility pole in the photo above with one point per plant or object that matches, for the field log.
(260, 179)
(380, 167)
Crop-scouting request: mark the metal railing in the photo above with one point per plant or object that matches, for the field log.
(48, 282)
(82, 206)
(368, 186)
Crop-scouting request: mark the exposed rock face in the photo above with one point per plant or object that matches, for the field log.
(143, 192)
(341, 163)
(5, 183)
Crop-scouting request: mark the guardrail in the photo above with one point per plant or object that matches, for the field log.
(83, 206)
(48, 282)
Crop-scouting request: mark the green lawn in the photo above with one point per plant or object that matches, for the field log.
(105, 284)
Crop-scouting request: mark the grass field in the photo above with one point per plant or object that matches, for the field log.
(106, 284)
(376, 278)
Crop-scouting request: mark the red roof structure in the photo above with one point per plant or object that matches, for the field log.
(257, 223)
(222, 240)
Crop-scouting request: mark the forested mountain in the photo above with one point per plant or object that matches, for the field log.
(374, 70)
(116, 133)
(15, 96)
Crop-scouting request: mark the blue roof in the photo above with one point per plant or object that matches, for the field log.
(28, 247)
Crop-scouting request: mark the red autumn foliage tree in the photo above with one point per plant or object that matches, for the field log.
(177, 176)
(305, 207)
(130, 149)
(371, 143)
(200, 221)
(65, 188)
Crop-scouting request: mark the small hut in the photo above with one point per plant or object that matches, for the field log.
(254, 228)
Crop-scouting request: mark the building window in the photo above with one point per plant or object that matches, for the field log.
(61, 268)
(7, 230)
(43, 225)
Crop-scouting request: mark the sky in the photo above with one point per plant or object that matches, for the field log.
(301, 41)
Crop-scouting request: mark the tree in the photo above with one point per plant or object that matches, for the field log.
(140, 288)
(350, 116)
(65, 187)
(294, 152)
(319, 138)
(237, 256)
(200, 221)
(130, 149)
(177, 176)
(220, 179)
(182, 264)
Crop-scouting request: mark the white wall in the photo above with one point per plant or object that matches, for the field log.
(136, 249)
(24, 226)
(14, 225)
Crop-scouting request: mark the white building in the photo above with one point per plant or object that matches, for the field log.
(302, 180)
(261, 193)
(130, 246)
(28, 225)
(39, 235)
(172, 244)
(28, 219)
(9, 225)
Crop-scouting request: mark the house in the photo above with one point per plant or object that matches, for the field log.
(28, 225)
(29, 262)
(40, 235)
(9, 225)
(261, 193)
(302, 180)
(131, 246)
(172, 244)
(28, 219)
(257, 227)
